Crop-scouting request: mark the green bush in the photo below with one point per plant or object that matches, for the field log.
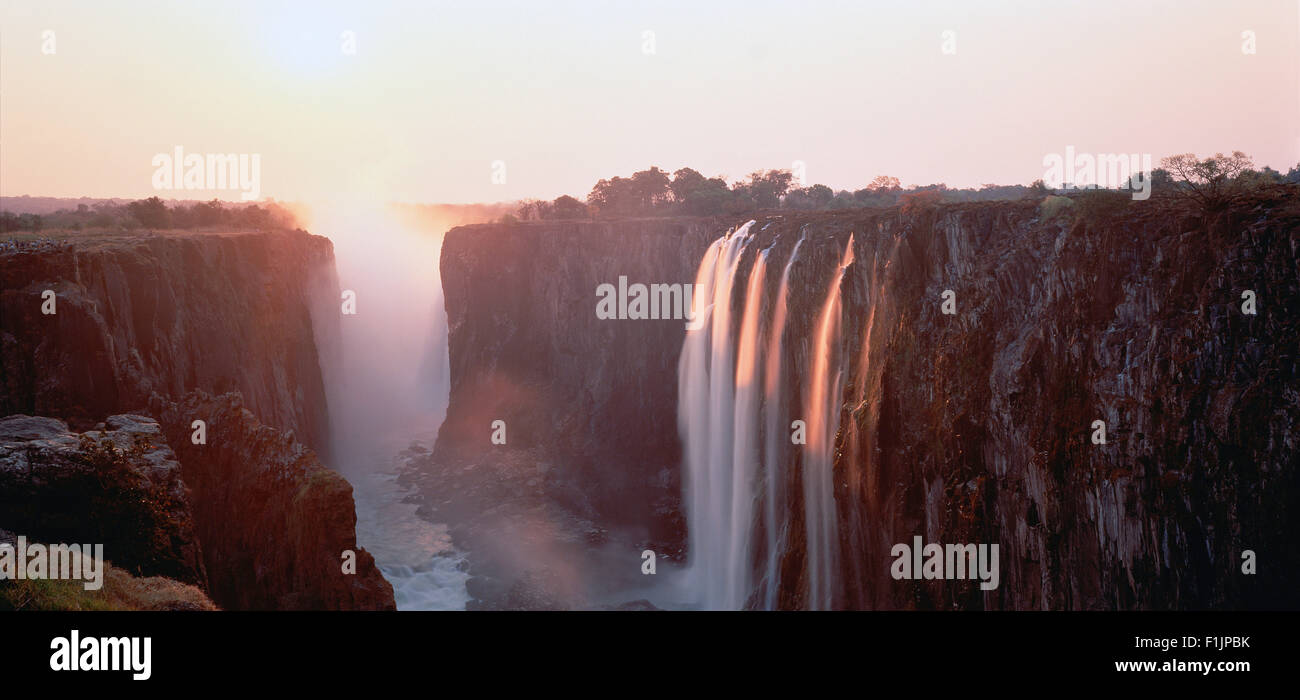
(1054, 206)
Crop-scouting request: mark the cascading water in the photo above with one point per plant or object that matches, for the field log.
(706, 391)
(774, 452)
(745, 446)
(826, 382)
(731, 413)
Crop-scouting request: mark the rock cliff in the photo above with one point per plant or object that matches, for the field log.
(139, 313)
(274, 521)
(973, 427)
(159, 323)
(594, 398)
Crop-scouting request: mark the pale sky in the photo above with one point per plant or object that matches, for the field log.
(565, 93)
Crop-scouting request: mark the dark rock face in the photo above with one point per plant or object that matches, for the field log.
(592, 399)
(966, 428)
(143, 321)
(119, 486)
(977, 427)
(274, 521)
(165, 313)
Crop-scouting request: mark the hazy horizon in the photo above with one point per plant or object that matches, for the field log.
(434, 98)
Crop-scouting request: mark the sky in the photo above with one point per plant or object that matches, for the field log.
(495, 101)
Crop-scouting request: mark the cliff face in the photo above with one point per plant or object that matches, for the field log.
(588, 403)
(165, 313)
(977, 427)
(274, 521)
(966, 428)
(150, 323)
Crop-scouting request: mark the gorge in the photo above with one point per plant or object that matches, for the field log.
(821, 407)
(970, 427)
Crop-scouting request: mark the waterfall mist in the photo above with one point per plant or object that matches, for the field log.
(389, 375)
(386, 378)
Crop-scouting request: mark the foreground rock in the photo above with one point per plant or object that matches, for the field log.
(274, 521)
(119, 486)
(119, 591)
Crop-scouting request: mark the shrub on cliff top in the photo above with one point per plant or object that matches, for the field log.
(916, 202)
(1054, 206)
(1097, 206)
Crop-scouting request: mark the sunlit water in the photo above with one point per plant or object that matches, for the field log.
(415, 555)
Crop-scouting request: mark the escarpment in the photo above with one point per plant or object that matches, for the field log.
(975, 426)
(183, 327)
(135, 314)
(587, 400)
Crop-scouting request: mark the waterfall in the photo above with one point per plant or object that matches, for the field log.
(732, 416)
(706, 384)
(745, 453)
(826, 383)
(774, 521)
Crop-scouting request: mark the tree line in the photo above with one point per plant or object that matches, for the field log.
(154, 213)
(1211, 182)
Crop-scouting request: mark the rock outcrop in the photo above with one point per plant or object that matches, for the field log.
(119, 486)
(275, 523)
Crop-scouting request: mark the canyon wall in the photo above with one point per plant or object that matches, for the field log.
(587, 403)
(973, 427)
(274, 521)
(139, 313)
(182, 327)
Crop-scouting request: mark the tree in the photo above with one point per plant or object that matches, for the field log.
(885, 183)
(920, 200)
(566, 207)
(611, 197)
(534, 210)
(150, 212)
(767, 188)
(710, 197)
(685, 182)
(1212, 182)
(651, 189)
(815, 197)
(208, 213)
